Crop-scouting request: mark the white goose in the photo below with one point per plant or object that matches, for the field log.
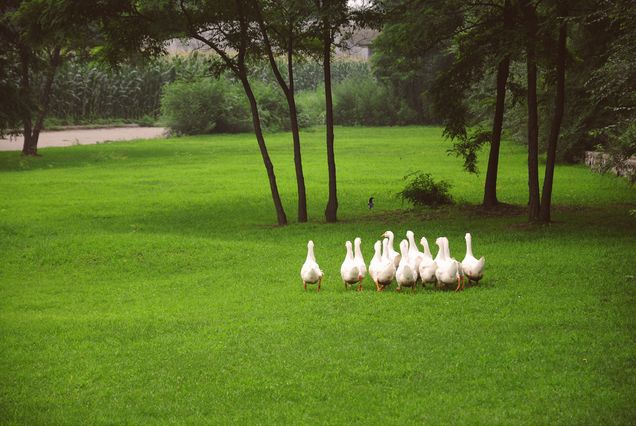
(415, 255)
(394, 256)
(376, 263)
(349, 270)
(386, 268)
(406, 274)
(448, 269)
(362, 267)
(310, 272)
(473, 269)
(427, 265)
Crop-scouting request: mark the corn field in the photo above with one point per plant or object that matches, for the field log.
(82, 92)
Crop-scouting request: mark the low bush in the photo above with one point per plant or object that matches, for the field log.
(366, 102)
(422, 190)
(209, 105)
(206, 105)
(272, 106)
(192, 107)
(311, 107)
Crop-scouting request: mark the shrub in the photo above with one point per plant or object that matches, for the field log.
(422, 190)
(207, 105)
(192, 107)
(366, 102)
(272, 106)
(311, 107)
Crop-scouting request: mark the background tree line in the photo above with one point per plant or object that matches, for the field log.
(561, 70)
(481, 69)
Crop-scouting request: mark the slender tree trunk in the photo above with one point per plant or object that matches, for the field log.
(293, 117)
(288, 90)
(332, 204)
(503, 69)
(237, 65)
(256, 121)
(559, 106)
(533, 120)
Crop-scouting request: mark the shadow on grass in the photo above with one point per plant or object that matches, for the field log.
(117, 153)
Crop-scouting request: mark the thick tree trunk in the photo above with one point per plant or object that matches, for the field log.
(332, 204)
(503, 70)
(293, 117)
(533, 120)
(555, 128)
(490, 186)
(256, 121)
(32, 131)
(25, 92)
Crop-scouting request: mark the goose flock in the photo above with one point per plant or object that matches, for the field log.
(408, 267)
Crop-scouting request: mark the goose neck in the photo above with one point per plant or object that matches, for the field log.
(469, 246)
(358, 252)
(446, 249)
(310, 253)
(349, 252)
(427, 250)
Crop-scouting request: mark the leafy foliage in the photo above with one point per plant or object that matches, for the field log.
(422, 190)
(204, 106)
(208, 105)
(366, 102)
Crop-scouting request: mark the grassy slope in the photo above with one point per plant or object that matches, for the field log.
(142, 282)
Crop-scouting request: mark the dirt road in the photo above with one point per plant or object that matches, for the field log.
(85, 137)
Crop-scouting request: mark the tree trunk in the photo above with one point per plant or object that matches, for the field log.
(533, 121)
(256, 121)
(293, 117)
(559, 106)
(25, 92)
(32, 131)
(503, 69)
(288, 90)
(45, 100)
(490, 187)
(332, 204)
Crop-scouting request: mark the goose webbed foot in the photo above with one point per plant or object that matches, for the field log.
(305, 285)
(458, 284)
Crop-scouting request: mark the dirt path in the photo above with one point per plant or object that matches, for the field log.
(85, 137)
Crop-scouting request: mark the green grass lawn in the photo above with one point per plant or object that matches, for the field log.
(144, 282)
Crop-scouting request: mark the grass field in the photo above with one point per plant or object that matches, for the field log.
(144, 282)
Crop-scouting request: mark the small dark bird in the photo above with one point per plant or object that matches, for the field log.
(370, 204)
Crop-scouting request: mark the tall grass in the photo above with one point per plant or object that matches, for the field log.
(85, 92)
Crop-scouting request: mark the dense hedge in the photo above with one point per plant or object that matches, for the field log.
(208, 105)
(366, 102)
